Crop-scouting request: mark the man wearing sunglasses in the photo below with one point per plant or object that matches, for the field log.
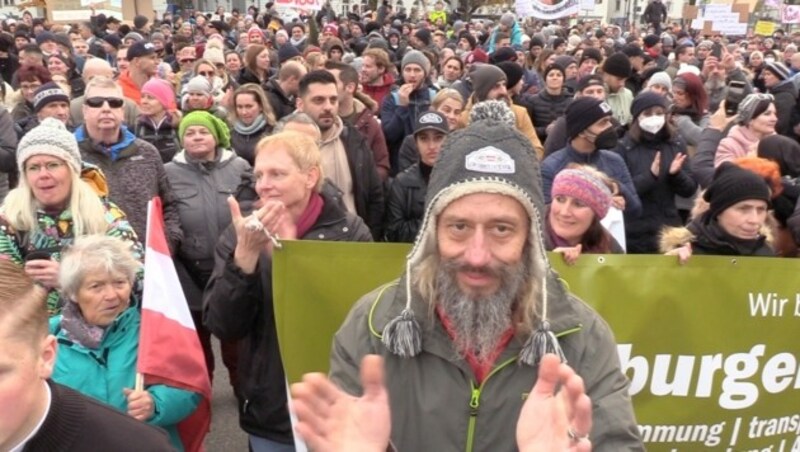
(142, 64)
(132, 166)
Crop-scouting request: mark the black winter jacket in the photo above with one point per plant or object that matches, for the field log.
(546, 108)
(657, 194)
(367, 184)
(281, 103)
(164, 137)
(238, 306)
(245, 145)
(409, 154)
(405, 205)
(785, 94)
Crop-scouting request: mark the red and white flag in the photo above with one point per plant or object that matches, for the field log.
(169, 349)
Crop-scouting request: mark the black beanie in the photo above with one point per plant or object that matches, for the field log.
(591, 54)
(583, 112)
(514, 73)
(558, 42)
(732, 184)
(618, 65)
(589, 80)
(645, 100)
(536, 42)
(423, 35)
(784, 151)
(503, 54)
(554, 67)
(651, 41)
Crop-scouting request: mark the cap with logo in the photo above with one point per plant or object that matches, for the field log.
(140, 49)
(431, 120)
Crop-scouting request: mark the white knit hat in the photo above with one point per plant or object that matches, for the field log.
(52, 138)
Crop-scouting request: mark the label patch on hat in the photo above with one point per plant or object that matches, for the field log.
(430, 118)
(605, 107)
(490, 160)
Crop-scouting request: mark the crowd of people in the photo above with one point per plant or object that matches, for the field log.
(484, 143)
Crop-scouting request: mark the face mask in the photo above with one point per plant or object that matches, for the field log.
(652, 124)
(769, 60)
(606, 139)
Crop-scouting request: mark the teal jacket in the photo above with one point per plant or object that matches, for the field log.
(102, 373)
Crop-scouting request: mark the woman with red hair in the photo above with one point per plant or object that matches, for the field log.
(29, 79)
(690, 110)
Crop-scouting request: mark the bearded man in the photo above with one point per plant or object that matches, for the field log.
(463, 330)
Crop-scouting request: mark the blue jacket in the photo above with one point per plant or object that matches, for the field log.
(102, 373)
(606, 161)
(516, 38)
(398, 122)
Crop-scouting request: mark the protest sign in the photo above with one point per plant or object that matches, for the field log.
(710, 347)
(547, 9)
(765, 28)
(790, 14)
(300, 4)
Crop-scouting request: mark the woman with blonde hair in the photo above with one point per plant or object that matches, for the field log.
(58, 199)
(315, 61)
(296, 203)
(251, 118)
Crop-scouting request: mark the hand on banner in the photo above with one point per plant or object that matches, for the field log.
(683, 252)
(44, 272)
(331, 420)
(570, 253)
(140, 404)
(618, 201)
(557, 415)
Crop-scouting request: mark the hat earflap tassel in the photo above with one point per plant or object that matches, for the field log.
(543, 340)
(402, 335)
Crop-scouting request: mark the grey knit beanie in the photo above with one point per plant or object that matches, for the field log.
(660, 78)
(52, 138)
(488, 156)
(198, 83)
(753, 106)
(507, 20)
(484, 78)
(418, 58)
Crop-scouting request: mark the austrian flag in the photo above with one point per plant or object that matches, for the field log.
(169, 349)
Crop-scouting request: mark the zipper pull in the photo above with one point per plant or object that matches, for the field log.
(474, 402)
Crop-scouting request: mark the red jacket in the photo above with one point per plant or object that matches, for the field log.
(378, 92)
(368, 126)
(129, 88)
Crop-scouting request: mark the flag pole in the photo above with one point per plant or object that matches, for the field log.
(139, 386)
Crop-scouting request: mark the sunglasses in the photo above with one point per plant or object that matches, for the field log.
(187, 60)
(206, 73)
(97, 102)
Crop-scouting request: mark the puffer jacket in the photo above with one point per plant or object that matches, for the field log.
(135, 175)
(371, 130)
(202, 190)
(245, 144)
(740, 142)
(102, 373)
(657, 194)
(438, 406)
(163, 136)
(408, 154)
(239, 306)
(546, 108)
(405, 205)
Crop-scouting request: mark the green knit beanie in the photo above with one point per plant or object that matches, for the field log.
(216, 126)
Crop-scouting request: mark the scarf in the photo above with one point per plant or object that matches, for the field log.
(297, 42)
(257, 125)
(77, 329)
(310, 215)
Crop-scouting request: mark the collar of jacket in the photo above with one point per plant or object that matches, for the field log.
(224, 156)
(126, 139)
(581, 157)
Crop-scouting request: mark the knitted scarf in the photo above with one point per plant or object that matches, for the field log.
(78, 329)
(257, 125)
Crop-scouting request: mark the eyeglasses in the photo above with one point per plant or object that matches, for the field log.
(97, 102)
(206, 73)
(49, 167)
(30, 87)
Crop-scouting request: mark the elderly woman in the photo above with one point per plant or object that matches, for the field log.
(251, 119)
(581, 197)
(58, 199)
(159, 118)
(734, 223)
(238, 297)
(757, 118)
(202, 176)
(98, 335)
(29, 79)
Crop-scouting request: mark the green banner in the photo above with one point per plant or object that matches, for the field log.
(711, 348)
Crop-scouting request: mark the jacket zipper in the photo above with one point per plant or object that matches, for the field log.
(475, 398)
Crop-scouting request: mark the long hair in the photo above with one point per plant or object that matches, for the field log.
(596, 239)
(88, 212)
(250, 56)
(261, 99)
(696, 91)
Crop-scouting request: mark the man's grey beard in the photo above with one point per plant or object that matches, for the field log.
(479, 321)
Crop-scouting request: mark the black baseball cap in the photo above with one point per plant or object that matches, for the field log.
(140, 49)
(431, 120)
